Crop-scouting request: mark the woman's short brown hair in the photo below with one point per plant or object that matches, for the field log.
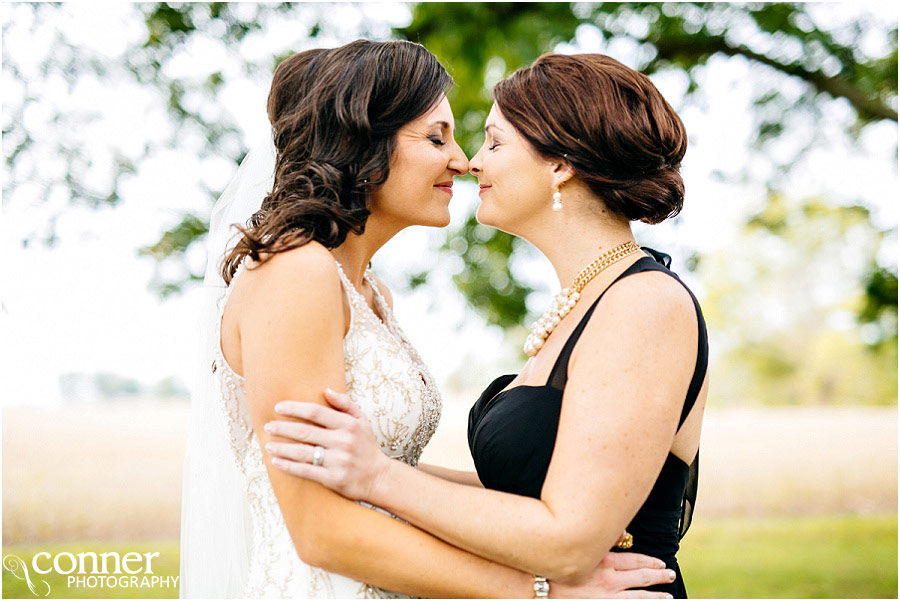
(609, 122)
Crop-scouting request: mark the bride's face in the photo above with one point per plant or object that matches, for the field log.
(426, 158)
(516, 184)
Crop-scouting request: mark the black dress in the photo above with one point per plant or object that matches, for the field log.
(512, 435)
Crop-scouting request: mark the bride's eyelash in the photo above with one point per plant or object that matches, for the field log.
(493, 146)
(437, 141)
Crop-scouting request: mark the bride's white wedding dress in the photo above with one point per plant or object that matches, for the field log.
(389, 382)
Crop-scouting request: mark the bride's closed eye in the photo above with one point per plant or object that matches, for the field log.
(437, 141)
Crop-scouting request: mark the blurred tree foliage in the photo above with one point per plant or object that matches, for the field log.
(786, 317)
(805, 67)
(482, 43)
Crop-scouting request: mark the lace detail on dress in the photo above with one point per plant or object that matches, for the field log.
(384, 369)
(389, 382)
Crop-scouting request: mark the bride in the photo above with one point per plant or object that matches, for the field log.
(364, 147)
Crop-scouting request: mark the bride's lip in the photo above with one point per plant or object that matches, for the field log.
(445, 186)
(483, 187)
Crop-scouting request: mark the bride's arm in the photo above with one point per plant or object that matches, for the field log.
(291, 331)
(617, 424)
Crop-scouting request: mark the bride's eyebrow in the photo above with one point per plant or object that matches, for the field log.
(443, 124)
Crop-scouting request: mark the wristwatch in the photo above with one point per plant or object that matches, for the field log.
(541, 588)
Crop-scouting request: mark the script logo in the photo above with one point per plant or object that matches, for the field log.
(91, 570)
(18, 568)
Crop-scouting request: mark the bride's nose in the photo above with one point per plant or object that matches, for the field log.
(459, 163)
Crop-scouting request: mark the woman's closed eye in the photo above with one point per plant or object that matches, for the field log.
(437, 141)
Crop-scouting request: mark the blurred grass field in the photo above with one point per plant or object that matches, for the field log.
(834, 557)
(816, 558)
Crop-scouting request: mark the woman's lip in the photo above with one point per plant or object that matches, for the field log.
(482, 189)
(445, 186)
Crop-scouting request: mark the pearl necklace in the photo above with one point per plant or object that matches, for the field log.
(565, 301)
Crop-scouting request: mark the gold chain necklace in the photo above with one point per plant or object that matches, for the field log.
(565, 301)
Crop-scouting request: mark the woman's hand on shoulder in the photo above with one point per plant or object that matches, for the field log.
(352, 462)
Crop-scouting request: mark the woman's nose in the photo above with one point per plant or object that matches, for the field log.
(459, 162)
(475, 164)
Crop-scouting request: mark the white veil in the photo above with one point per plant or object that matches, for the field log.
(215, 520)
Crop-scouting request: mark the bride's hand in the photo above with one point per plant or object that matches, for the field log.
(351, 461)
(615, 576)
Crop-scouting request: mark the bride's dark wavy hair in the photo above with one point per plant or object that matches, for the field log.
(335, 114)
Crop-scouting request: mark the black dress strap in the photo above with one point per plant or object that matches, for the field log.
(656, 262)
(559, 374)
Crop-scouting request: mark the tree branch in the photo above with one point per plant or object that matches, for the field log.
(696, 47)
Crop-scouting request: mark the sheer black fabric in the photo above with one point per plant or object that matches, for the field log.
(512, 434)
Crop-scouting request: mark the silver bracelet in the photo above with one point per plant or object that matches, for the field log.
(541, 588)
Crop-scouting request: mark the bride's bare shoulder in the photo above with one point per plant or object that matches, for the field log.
(309, 260)
(307, 273)
(290, 297)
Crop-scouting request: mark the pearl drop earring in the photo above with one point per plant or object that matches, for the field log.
(557, 201)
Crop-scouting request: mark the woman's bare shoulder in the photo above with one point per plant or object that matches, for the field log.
(307, 274)
(652, 295)
(652, 307)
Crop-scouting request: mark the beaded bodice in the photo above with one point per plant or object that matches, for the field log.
(387, 379)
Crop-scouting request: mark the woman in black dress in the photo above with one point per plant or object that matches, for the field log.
(600, 430)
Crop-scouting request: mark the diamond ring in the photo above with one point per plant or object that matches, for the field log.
(318, 455)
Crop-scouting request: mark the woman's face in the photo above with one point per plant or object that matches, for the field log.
(426, 158)
(516, 184)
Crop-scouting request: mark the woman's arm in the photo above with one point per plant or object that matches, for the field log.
(628, 378)
(458, 476)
